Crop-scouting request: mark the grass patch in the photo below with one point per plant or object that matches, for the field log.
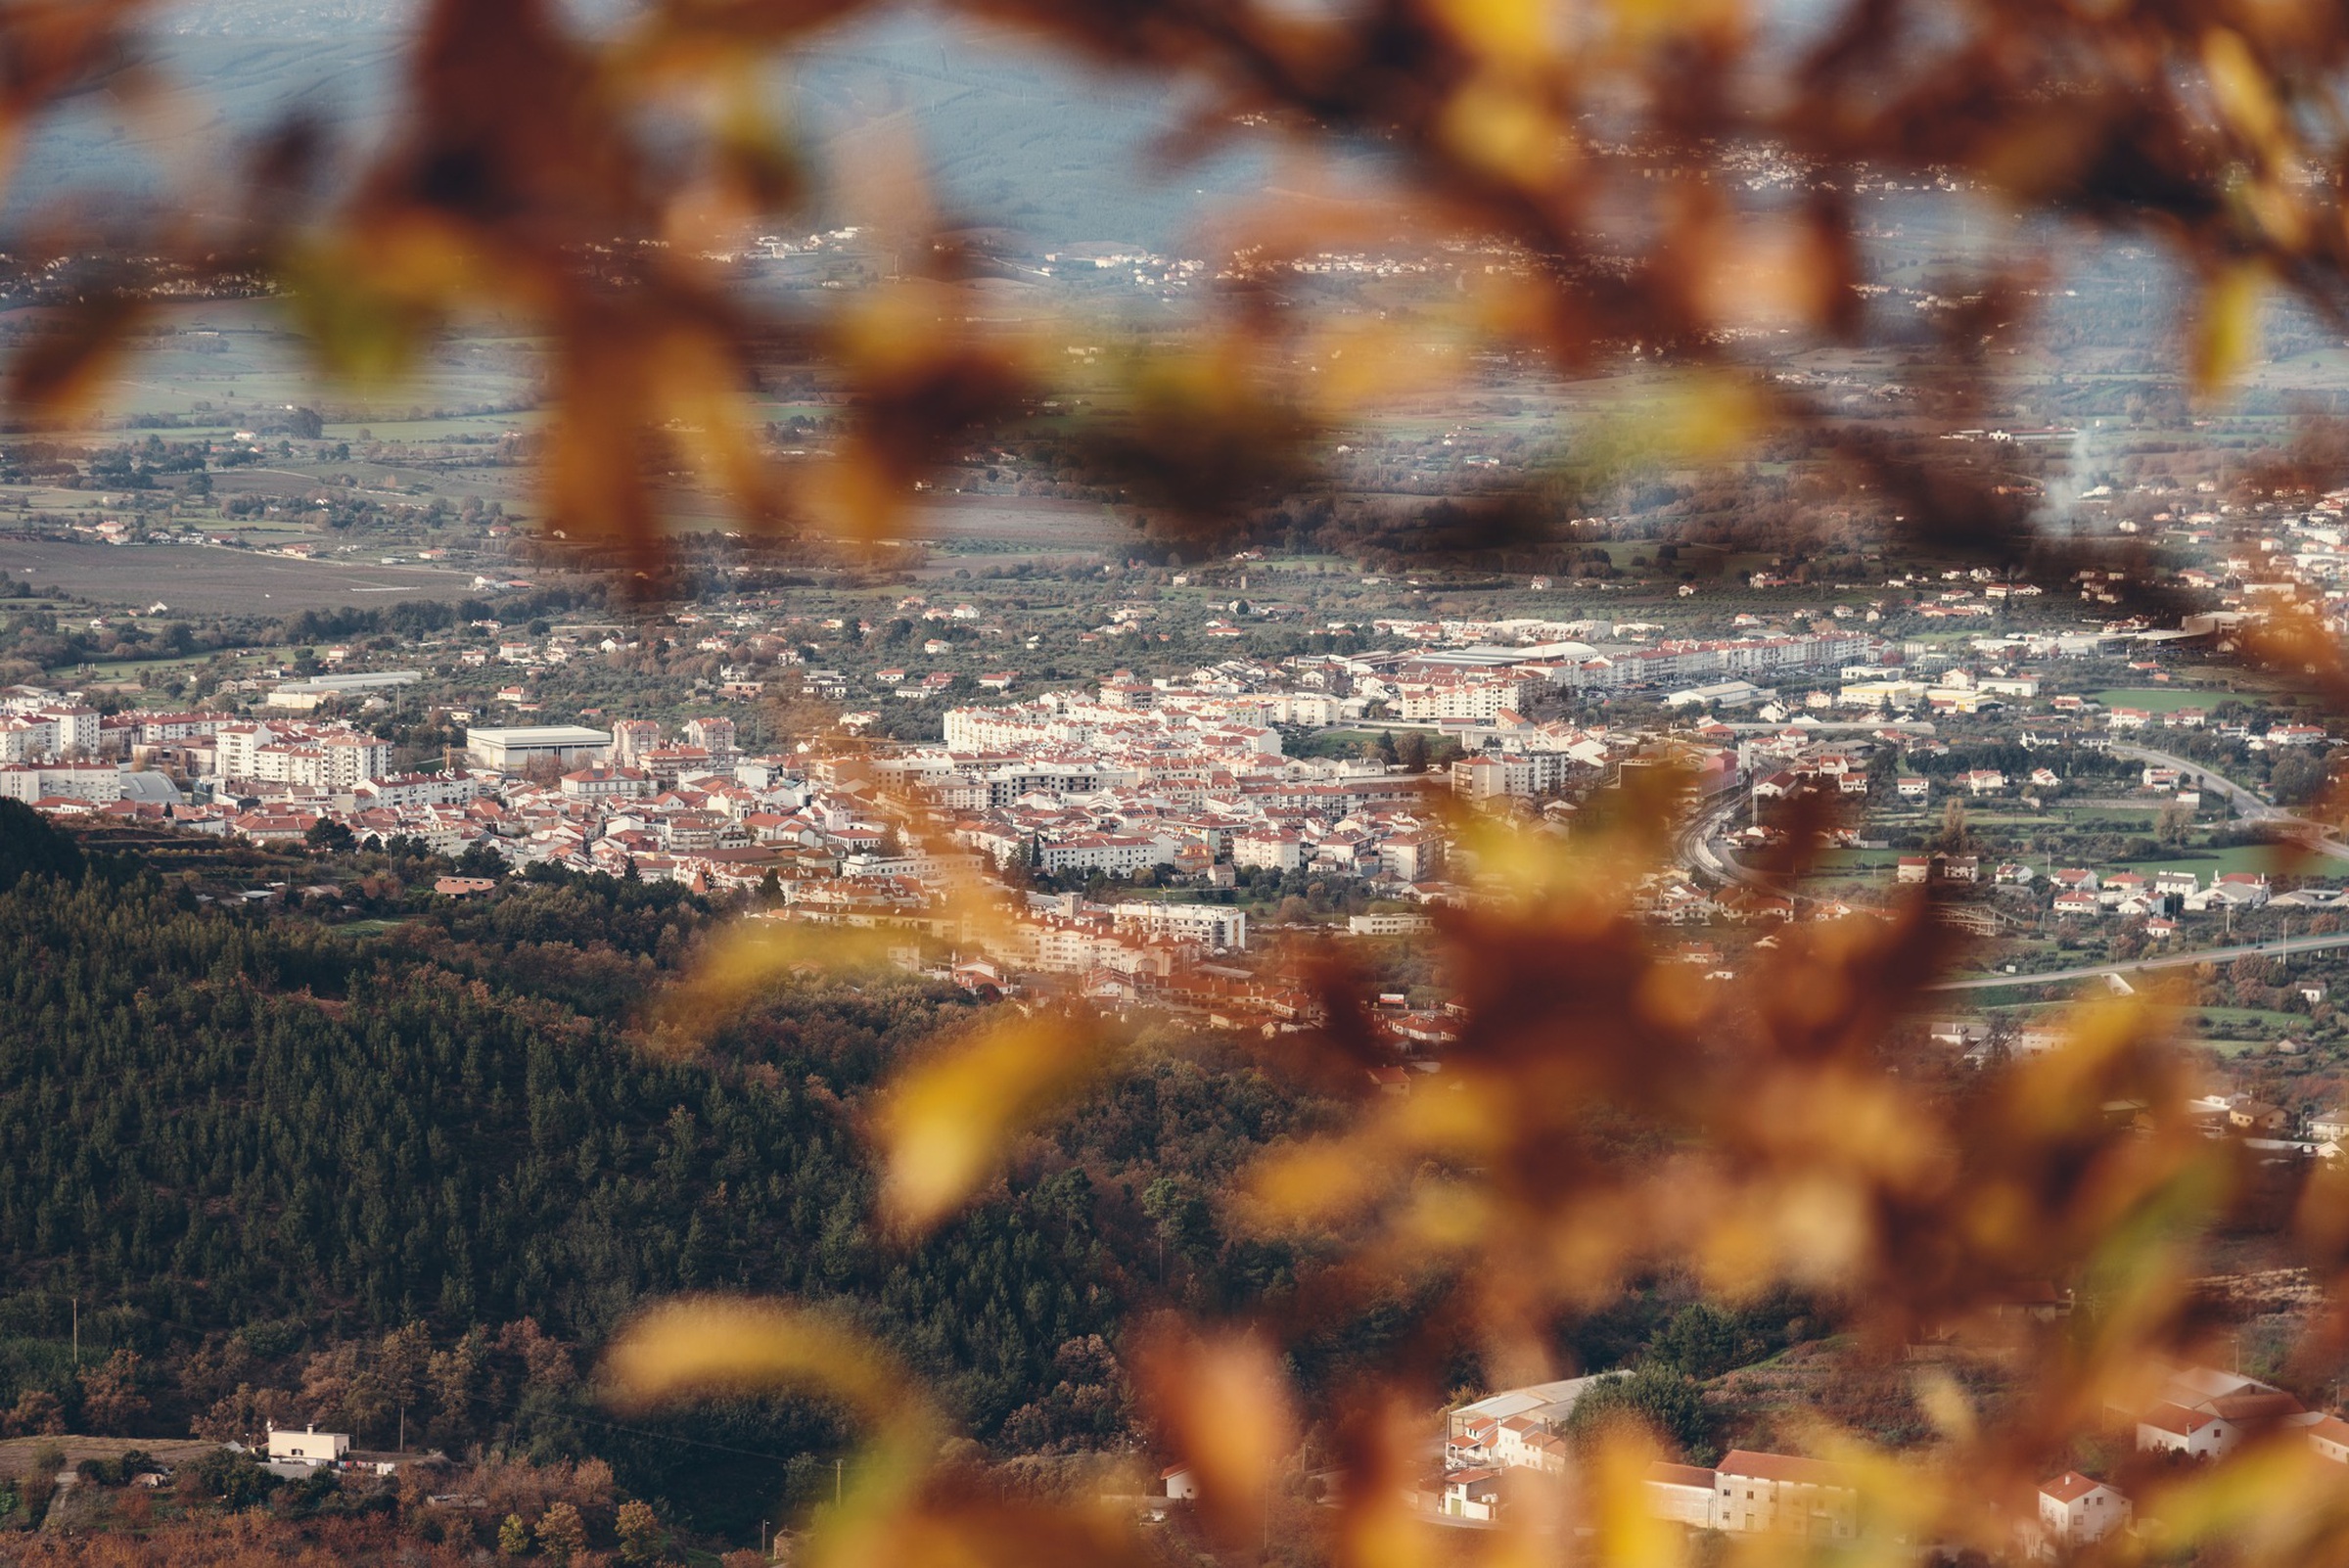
(2160, 699)
(2207, 863)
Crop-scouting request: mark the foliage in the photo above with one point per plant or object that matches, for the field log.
(30, 846)
(514, 1536)
(1663, 1401)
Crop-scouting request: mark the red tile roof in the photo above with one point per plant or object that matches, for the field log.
(1784, 1467)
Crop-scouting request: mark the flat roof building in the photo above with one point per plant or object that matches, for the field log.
(509, 750)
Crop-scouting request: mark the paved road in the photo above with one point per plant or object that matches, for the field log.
(2312, 835)
(2274, 947)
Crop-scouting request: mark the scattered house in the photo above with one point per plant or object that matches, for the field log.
(1472, 1494)
(1982, 781)
(307, 1445)
(2256, 1115)
(2075, 1509)
(2174, 1429)
(1913, 788)
(2204, 1412)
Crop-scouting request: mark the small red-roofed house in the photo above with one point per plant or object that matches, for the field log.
(2075, 1509)
(2174, 1429)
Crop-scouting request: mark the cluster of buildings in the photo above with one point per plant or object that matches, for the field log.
(1507, 1442)
(1144, 776)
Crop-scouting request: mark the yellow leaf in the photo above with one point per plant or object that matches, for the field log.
(2227, 328)
(697, 1347)
(944, 1123)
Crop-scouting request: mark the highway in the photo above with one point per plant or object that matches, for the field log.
(2273, 948)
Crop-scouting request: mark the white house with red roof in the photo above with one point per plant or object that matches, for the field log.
(2075, 1509)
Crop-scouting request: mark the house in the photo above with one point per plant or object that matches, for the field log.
(1780, 1494)
(2328, 1127)
(1913, 788)
(1472, 1494)
(1982, 780)
(1179, 1482)
(2075, 1509)
(307, 1445)
(2256, 1115)
(1913, 868)
(2171, 1428)
(2330, 1437)
(464, 887)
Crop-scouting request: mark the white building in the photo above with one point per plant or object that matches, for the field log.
(2075, 1509)
(1275, 850)
(1682, 1494)
(308, 1446)
(1781, 1493)
(510, 750)
(100, 784)
(1214, 925)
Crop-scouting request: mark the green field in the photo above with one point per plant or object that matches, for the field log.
(2207, 863)
(2160, 699)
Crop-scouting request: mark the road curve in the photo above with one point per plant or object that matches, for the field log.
(2274, 947)
(2311, 835)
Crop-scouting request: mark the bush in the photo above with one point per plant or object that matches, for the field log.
(1657, 1397)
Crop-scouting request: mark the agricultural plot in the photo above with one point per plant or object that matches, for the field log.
(217, 581)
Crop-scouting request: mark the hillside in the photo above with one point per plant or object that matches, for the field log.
(253, 1146)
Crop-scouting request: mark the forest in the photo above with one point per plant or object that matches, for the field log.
(411, 1179)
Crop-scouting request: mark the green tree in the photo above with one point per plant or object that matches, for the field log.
(2297, 778)
(1660, 1398)
(1702, 1341)
(514, 1536)
(1414, 753)
(330, 837)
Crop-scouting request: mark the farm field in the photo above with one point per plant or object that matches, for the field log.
(211, 580)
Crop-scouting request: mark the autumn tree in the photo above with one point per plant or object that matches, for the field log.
(641, 1537)
(561, 1534)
